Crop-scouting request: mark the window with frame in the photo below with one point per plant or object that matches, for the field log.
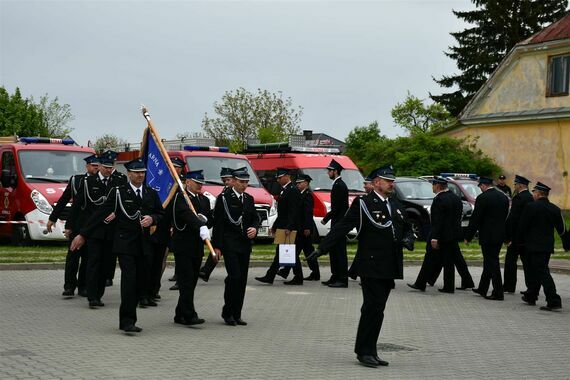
(558, 75)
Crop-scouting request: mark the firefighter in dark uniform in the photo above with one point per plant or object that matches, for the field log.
(226, 175)
(501, 185)
(489, 216)
(304, 239)
(136, 207)
(235, 226)
(339, 206)
(287, 219)
(160, 239)
(75, 262)
(189, 231)
(91, 196)
(443, 249)
(536, 230)
(383, 230)
(515, 248)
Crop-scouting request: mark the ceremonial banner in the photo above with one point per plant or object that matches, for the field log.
(158, 175)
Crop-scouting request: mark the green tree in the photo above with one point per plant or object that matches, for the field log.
(56, 116)
(108, 141)
(360, 144)
(495, 27)
(242, 115)
(417, 118)
(19, 116)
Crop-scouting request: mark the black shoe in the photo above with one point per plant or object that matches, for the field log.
(465, 287)
(523, 292)
(156, 297)
(476, 290)
(380, 361)
(294, 281)
(173, 278)
(446, 291)
(414, 286)
(551, 308)
(367, 361)
(131, 329)
(195, 321)
(150, 302)
(494, 297)
(96, 303)
(230, 321)
(312, 277)
(329, 281)
(180, 320)
(109, 282)
(241, 322)
(338, 284)
(203, 276)
(528, 300)
(68, 293)
(82, 293)
(283, 273)
(143, 303)
(265, 279)
(175, 287)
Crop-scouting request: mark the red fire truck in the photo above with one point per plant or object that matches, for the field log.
(211, 160)
(266, 158)
(35, 172)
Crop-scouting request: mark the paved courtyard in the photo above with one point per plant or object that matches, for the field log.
(294, 332)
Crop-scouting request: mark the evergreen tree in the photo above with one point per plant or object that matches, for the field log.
(496, 27)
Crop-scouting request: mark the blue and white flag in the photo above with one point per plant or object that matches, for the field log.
(158, 175)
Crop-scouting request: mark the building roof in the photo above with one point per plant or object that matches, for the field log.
(558, 30)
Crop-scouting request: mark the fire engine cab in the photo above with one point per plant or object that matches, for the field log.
(266, 158)
(35, 172)
(211, 160)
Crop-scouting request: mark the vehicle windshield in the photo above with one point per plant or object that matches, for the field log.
(55, 166)
(471, 188)
(321, 181)
(415, 189)
(212, 165)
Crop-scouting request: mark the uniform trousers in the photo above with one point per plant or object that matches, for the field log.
(375, 294)
(209, 266)
(274, 268)
(237, 266)
(97, 252)
(160, 250)
(514, 251)
(305, 244)
(76, 269)
(132, 280)
(541, 276)
(187, 269)
(339, 262)
(449, 258)
(491, 270)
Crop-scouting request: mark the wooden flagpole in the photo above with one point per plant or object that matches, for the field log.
(173, 172)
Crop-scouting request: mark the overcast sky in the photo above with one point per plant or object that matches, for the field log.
(346, 63)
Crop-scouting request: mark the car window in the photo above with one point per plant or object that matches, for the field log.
(415, 189)
(455, 190)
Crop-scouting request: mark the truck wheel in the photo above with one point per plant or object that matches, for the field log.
(418, 229)
(21, 235)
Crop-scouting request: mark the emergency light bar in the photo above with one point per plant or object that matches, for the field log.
(284, 147)
(221, 149)
(460, 175)
(45, 140)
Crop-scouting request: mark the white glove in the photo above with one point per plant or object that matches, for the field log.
(204, 233)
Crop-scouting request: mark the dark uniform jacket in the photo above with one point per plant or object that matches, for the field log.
(186, 225)
(379, 253)
(91, 195)
(537, 224)
(446, 214)
(227, 235)
(339, 202)
(70, 192)
(306, 213)
(288, 208)
(489, 216)
(129, 237)
(520, 200)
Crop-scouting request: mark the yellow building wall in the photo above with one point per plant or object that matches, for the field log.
(522, 86)
(539, 151)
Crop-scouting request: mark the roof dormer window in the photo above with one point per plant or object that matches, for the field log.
(558, 75)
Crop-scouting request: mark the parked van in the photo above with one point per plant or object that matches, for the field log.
(266, 158)
(211, 160)
(35, 172)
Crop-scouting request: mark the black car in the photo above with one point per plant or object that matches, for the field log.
(416, 195)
